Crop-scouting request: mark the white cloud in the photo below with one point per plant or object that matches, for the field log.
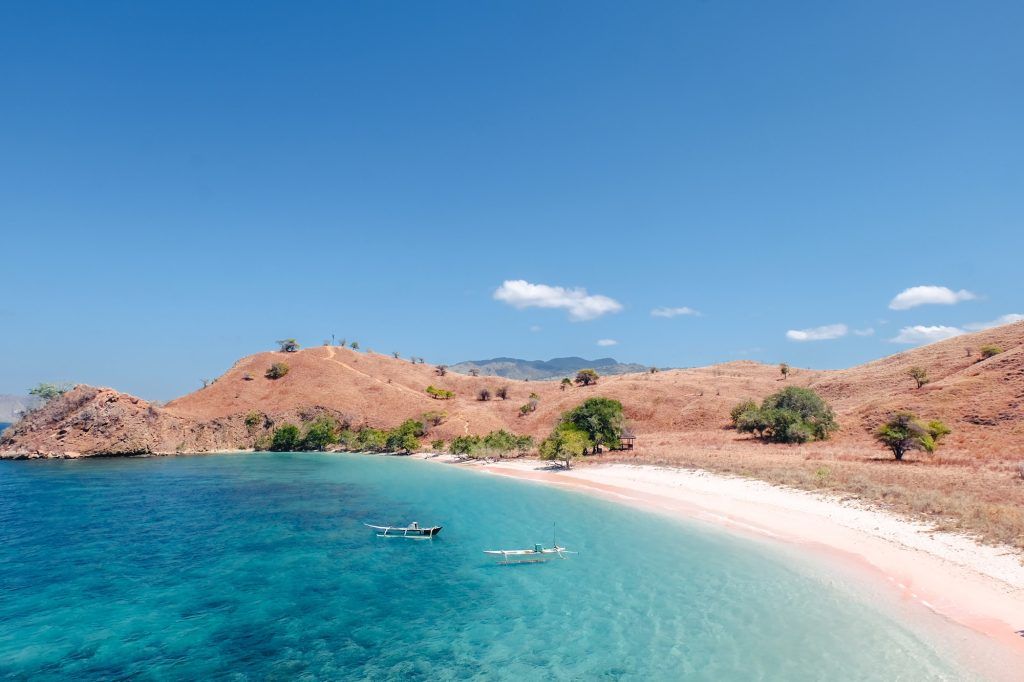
(921, 334)
(925, 295)
(998, 322)
(673, 312)
(825, 333)
(607, 342)
(867, 331)
(535, 328)
(581, 305)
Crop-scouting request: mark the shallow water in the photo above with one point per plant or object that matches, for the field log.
(258, 566)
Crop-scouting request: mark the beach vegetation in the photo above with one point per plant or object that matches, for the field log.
(286, 438)
(586, 377)
(565, 444)
(904, 432)
(919, 375)
(793, 415)
(405, 437)
(277, 370)
(321, 433)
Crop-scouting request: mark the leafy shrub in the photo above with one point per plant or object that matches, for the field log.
(277, 370)
(990, 351)
(483, 394)
(437, 445)
(434, 417)
(502, 393)
(784, 370)
(745, 406)
(285, 438)
(252, 420)
(586, 377)
(464, 445)
(793, 415)
(439, 393)
(47, 392)
(565, 383)
(371, 440)
(288, 345)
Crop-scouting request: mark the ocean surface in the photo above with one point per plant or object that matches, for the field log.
(258, 566)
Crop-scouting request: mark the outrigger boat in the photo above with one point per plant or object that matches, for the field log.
(413, 531)
(538, 554)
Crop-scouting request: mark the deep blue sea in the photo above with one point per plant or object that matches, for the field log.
(257, 566)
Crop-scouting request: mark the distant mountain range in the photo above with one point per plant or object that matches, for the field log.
(11, 407)
(556, 368)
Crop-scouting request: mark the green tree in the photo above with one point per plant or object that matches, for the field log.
(990, 351)
(500, 442)
(288, 345)
(277, 370)
(321, 433)
(47, 392)
(285, 439)
(395, 354)
(565, 383)
(437, 445)
(904, 432)
(919, 375)
(586, 377)
(565, 444)
(354, 345)
(601, 419)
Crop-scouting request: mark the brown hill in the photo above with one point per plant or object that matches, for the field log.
(981, 399)
(975, 481)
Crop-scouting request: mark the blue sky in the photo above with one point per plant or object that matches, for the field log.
(183, 183)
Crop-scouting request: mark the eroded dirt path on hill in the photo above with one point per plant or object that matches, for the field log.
(331, 353)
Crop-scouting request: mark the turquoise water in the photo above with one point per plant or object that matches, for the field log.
(258, 567)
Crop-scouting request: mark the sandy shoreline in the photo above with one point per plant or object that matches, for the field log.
(978, 586)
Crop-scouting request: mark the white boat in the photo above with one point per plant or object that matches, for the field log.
(413, 531)
(538, 554)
